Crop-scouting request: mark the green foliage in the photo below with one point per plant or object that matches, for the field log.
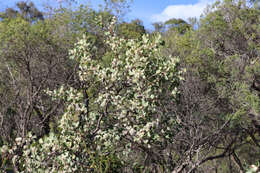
(224, 53)
(132, 30)
(178, 25)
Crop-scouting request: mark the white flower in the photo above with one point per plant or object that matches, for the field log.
(18, 140)
(14, 159)
(254, 168)
(4, 149)
(132, 131)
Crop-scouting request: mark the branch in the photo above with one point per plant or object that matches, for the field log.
(252, 137)
(237, 161)
(180, 168)
(99, 120)
(223, 154)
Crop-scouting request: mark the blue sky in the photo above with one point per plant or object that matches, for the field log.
(148, 11)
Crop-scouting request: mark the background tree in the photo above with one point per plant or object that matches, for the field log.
(223, 55)
(158, 27)
(134, 29)
(177, 25)
(25, 10)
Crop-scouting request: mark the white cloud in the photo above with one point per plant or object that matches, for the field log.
(183, 11)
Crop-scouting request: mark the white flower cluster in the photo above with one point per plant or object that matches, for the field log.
(133, 85)
(128, 108)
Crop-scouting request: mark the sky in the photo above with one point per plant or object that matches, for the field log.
(149, 11)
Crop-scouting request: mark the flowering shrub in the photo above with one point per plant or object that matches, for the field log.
(128, 113)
